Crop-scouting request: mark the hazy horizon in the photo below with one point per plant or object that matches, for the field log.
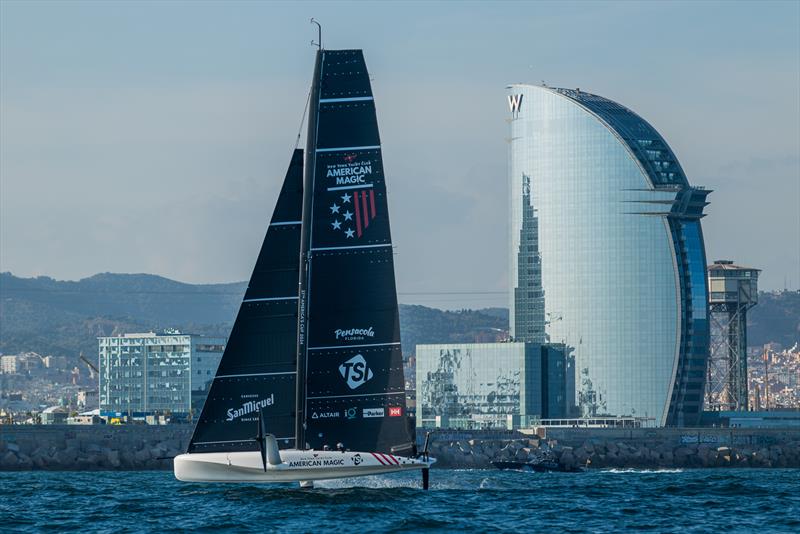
(153, 137)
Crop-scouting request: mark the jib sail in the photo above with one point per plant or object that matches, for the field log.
(349, 344)
(257, 372)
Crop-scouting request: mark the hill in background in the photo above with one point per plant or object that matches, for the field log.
(64, 318)
(776, 318)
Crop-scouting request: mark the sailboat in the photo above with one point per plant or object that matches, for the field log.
(310, 385)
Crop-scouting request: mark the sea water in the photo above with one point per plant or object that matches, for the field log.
(712, 500)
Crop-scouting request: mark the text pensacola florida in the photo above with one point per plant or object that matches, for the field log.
(357, 333)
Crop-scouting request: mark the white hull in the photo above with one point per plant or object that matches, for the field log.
(294, 466)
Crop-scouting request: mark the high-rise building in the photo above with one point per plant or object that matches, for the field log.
(606, 239)
(528, 295)
(149, 374)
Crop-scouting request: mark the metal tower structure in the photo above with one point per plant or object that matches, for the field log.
(732, 291)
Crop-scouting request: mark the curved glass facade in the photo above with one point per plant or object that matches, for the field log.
(620, 255)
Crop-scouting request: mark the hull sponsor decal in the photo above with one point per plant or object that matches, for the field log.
(327, 462)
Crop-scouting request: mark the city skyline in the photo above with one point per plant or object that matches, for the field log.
(162, 124)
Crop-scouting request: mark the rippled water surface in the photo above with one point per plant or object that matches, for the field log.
(661, 501)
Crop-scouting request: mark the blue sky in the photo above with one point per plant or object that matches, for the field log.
(152, 136)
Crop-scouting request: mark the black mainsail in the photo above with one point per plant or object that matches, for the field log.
(257, 372)
(351, 386)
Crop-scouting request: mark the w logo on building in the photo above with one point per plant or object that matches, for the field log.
(514, 103)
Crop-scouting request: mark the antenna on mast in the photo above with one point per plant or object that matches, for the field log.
(319, 33)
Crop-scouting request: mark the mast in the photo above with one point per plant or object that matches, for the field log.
(305, 245)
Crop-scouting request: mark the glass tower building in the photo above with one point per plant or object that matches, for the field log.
(607, 254)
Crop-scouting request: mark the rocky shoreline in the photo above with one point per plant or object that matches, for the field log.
(139, 447)
(478, 454)
(91, 448)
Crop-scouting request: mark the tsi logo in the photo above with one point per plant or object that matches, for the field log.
(514, 103)
(355, 371)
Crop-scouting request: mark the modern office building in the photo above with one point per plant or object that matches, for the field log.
(606, 239)
(151, 374)
(491, 385)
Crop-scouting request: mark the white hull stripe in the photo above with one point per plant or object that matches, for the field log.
(352, 99)
(270, 298)
(285, 223)
(343, 187)
(256, 374)
(348, 148)
(346, 248)
(356, 346)
(362, 395)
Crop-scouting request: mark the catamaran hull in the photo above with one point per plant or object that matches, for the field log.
(295, 466)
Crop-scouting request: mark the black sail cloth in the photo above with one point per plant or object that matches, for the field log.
(350, 353)
(258, 368)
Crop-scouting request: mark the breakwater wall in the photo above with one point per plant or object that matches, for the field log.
(142, 447)
(624, 448)
(91, 447)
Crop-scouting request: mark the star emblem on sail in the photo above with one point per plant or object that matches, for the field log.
(363, 206)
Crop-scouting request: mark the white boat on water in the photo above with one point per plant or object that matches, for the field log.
(289, 466)
(311, 385)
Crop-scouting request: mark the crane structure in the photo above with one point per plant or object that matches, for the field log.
(733, 290)
(92, 368)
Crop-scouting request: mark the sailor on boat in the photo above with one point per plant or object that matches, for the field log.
(314, 358)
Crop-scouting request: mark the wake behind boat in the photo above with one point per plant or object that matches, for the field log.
(545, 466)
(311, 384)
